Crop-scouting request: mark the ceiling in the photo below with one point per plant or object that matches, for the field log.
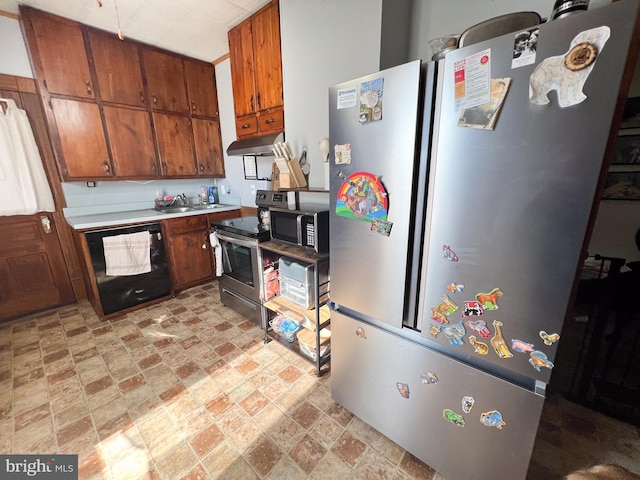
(196, 28)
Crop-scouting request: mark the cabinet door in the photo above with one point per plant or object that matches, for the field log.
(201, 87)
(117, 69)
(208, 145)
(189, 251)
(165, 80)
(242, 68)
(62, 54)
(82, 140)
(268, 58)
(131, 140)
(175, 145)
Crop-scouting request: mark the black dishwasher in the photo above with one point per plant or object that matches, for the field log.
(120, 292)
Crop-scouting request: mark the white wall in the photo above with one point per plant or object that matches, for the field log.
(14, 59)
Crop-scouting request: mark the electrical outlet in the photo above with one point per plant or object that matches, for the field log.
(253, 189)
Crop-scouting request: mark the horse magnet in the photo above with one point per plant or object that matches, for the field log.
(489, 301)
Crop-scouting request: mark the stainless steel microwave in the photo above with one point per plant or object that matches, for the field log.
(307, 227)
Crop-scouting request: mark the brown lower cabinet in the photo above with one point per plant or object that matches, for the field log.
(191, 260)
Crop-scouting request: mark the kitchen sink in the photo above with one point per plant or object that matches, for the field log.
(206, 207)
(173, 209)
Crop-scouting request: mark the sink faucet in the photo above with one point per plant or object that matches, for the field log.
(182, 198)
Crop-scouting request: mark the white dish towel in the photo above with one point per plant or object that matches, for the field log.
(127, 254)
(217, 248)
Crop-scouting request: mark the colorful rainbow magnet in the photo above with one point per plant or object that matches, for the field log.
(467, 404)
(478, 347)
(453, 417)
(403, 388)
(360, 332)
(522, 347)
(492, 419)
(549, 338)
(434, 330)
(489, 301)
(454, 288)
(472, 309)
(362, 197)
(539, 359)
(480, 327)
(455, 334)
(449, 254)
(428, 378)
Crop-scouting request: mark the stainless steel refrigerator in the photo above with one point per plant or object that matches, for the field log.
(461, 193)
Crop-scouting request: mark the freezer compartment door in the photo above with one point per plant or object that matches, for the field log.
(459, 420)
(369, 269)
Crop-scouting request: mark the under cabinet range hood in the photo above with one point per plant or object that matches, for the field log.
(255, 146)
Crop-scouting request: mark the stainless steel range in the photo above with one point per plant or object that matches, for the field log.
(241, 281)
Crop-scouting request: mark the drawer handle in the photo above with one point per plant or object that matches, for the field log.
(271, 120)
(246, 125)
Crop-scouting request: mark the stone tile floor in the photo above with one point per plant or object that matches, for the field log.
(186, 389)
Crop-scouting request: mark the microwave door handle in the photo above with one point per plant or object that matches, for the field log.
(299, 228)
(237, 241)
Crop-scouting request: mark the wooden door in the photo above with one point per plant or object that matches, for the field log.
(165, 81)
(62, 53)
(33, 274)
(267, 57)
(82, 139)
(175, 144)
(189, 252)
(208, 145)
(117, 68)
(131, 140)
(242, 68)
(201, 87)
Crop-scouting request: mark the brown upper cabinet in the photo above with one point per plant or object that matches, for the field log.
(256, 73)
(62, 56)
(122, 109)
(117, 67)
(165, 80)
(203, 100)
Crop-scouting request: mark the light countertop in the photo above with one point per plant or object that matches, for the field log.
(109, 219)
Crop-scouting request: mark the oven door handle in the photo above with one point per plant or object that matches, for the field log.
(237, 241)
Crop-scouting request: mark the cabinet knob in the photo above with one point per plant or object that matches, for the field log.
(201, 168)
(246, 125)
(105, 166)
(89, 91)
(164, 167)
(155, 99)
(142, 98)
(194, 109)
(271, 120)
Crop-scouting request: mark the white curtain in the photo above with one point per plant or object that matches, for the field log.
(24, 189)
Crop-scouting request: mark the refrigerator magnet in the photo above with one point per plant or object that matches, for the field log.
(492, 419)
(362, 197)
(360, 333)
(478, 347)
(403, 388)
(455, 288)
(498, 342)
(539, 359)
(383, 227)
(567, 74)
(480, 327)
(453, 417)
(467, 403)
(472, 309)
(346, 98)
(449, 254)
(428, 378)
(435, 330)
(447, 306)
(525, 45)
(371, 100)
(549, 338)
(438, 316)
(489, 301)
(342, 154)
(455, 334)
(522, 347)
